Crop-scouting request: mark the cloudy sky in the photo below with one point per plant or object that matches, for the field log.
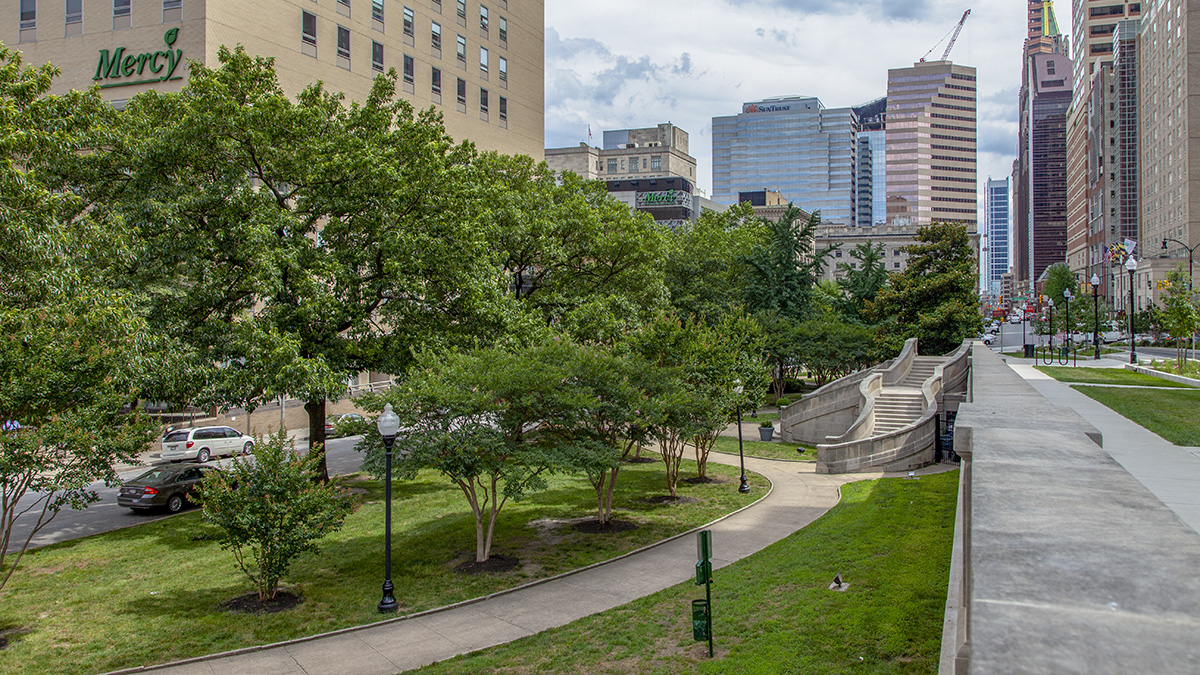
(627, 63)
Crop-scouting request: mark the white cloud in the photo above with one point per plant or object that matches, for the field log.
(622, 64)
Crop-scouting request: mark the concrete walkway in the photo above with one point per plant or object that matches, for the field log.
(798, 496)
(1169, 471)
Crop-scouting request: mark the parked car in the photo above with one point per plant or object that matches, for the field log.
(168, 487)
(987, 338)
(337, 426)
(203, 443)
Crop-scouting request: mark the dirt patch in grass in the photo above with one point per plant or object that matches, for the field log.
(697, 480)
(672, 501)
(641, 460)
(496, 564)
(250, 604)
(594, 526)
(12, 634)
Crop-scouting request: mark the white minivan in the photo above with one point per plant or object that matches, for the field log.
(202, 443)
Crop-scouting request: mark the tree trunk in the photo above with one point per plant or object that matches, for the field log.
(598, 485)
(608, 496)
(495, 510)
(316, 434)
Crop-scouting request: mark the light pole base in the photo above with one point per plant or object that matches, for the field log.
(744, 487)
(388, 604)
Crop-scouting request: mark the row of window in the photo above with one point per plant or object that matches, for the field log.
(308, 38)
(73, 11)
(410, 21)
(655, 164)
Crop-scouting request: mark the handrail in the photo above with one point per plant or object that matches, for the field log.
(864, 424)
(902, 364)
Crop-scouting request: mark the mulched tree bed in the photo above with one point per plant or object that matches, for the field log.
(594, 526)
(495, 564)
(641, 460)
(672, 501)
(696, 480)
(250, 604)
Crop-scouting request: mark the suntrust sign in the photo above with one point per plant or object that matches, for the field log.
(667, 198)
(119, 65)
(759, 108)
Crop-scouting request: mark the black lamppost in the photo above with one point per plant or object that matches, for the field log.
(737, 389)
(1096, 314)
(1067, 317)
(388, 424)
(1050, 304)
(1131, 265)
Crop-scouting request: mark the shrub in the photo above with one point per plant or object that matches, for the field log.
(783, 402)
(270, 506)
(766, 424)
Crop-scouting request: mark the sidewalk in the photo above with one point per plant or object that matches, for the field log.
(797, 497)
(1170, 472)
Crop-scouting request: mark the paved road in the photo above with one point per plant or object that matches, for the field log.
(106, 515)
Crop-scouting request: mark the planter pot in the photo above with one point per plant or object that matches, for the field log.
(766, 433)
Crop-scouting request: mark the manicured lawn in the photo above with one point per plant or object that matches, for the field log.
(762, 417)
(153, 593)
(761, 449)
(773, 612)
(1170, 414)
(1106, 376)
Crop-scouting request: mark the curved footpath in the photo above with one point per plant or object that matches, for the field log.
(798, 497)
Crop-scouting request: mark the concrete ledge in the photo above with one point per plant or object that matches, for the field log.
(1069, 564)
(1163, 376)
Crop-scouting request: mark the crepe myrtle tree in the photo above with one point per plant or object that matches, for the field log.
(70, 348)
(261, 225)
(494, 421)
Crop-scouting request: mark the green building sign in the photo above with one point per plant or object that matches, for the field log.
(159, 66)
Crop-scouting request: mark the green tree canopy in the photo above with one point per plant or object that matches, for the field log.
(935, 298)
(861, 281)
(780, 274)
(706, 264)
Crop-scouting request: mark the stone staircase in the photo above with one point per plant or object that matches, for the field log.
(896, 408)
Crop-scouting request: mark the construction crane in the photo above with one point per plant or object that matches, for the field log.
(956, 31)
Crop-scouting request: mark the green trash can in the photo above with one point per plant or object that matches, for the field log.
(700, 620)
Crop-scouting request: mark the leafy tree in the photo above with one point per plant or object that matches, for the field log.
(831, 348)
(493, 421)
(1060, 278)
(563, 243)
(1180, 315)
(780, 274)
(783, 349)
(862, 281)
(934, 299)
(262, 226)
(70, 348)
(270, 510)
(706, 262)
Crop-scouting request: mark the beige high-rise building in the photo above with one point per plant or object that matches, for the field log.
(630, 154)
(931, 144)
(480, 63)
(1169, 141)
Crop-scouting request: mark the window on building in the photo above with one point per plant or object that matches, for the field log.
(435, 38)
(435, 81)
(308, 28)
(377, 56)
(503, 108)
(462, 91)
(503, 29)
(643, 164)
(120, 7)
(461, 50)
(74, 11)
(343, 43)
(410, 69)
(503, 69)
(483, 60)
(172, 11)
(409, 23)
(377, 10)
(462, 9)
(483, 100)
(612, 166)
(483, 18)
(656, 162)
(344, 3)
(28, 14)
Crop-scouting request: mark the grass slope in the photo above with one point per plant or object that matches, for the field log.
(153, 593)
(1107, 376)
(1170, 414)
(773, 613)
(761, 449)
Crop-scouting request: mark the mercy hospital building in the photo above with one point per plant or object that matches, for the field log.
(479, 63)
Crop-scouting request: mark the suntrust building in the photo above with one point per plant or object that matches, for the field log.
(480, 63)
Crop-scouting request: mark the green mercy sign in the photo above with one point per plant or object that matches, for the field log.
(119, 65)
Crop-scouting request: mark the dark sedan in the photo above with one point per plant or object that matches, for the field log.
(163, 486)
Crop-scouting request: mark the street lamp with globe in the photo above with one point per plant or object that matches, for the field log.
(737, 406)
(1096, 314)
(1067, 318)
(388, 424)
(1131, 265)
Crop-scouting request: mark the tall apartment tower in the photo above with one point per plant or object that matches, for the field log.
(931, 143)
(1093, 190)
(996, 215)
(1169, 147)
(872, 141)
(480, 63)
(794, 145)
(1040, 173)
